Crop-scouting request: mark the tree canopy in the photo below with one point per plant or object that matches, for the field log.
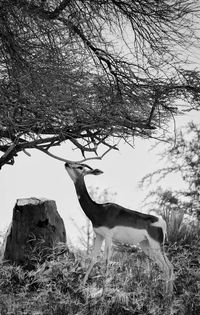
(86, 71)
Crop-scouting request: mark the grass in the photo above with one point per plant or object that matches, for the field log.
(133, 286)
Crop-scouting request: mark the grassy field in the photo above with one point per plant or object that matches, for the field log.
(134, 285)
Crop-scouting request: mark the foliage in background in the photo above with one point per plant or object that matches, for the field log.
(82, 71)
(183, 157)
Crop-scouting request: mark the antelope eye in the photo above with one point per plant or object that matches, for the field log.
(80, 167)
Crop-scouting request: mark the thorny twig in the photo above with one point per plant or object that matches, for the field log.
(114, 147)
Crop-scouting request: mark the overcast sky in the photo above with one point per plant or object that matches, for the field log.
(42, 176)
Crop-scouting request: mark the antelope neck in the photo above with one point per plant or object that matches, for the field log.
(90, 208)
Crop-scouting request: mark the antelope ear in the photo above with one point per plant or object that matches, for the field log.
(96, 172)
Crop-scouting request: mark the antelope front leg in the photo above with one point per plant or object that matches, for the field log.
(97, 247)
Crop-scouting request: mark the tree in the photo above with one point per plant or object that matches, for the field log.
(89, 72)
(184, 158)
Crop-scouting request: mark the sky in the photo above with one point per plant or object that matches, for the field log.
(45, 177)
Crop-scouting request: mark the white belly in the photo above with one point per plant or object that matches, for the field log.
(123, 234)
(128, 235)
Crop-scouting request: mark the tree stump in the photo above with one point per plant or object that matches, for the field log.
(35, 230)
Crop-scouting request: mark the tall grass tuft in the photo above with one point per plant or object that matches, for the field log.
(181, 229)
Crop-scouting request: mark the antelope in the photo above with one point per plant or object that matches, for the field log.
(112, 222)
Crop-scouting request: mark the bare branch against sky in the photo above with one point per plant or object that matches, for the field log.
(93, 72)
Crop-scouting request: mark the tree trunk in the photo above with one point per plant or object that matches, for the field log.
(35, 230)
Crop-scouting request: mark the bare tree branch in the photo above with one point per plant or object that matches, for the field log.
(90, 71)
(80, 161)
